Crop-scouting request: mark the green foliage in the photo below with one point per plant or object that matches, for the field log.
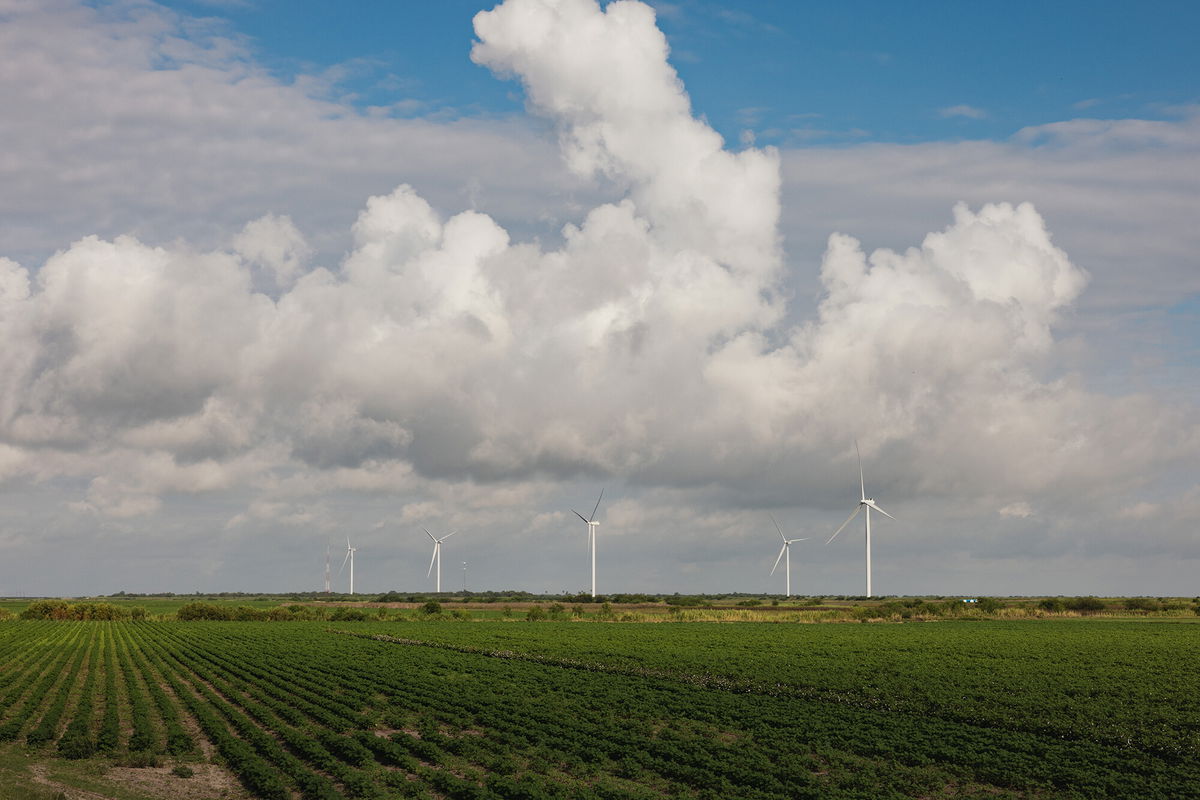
(191, 612)
(1085, 604)
(638, 711)
(536, 614)
(182, 771)
(62, 610)
(431, 607)
(1052, 604)
(348, 614)
(1141, 604)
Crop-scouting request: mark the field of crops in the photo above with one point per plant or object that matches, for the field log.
(576, 710)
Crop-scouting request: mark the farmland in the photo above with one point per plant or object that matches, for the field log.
(1065, 708)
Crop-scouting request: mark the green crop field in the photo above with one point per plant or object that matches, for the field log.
(1044, 709)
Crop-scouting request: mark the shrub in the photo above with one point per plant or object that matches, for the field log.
(183, 771)
(460, 614)
(1085, 604)
(6, 615)
(46, 609)
(190, 612)
(431, 607)
(1052, 604)
(989, 605)
(535, 614)
(1141, 604)
(344, 614)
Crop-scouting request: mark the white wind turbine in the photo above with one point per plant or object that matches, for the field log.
(349, 558)
(327, 587)
(864, 502)
(437, 555)
(592, 525)
(786, 550)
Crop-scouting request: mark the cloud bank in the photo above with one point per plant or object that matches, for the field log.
(657, 345)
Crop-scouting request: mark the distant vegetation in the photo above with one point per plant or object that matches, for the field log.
(465, 606)
(62, 610)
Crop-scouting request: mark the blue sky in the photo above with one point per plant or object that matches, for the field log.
(792, 72)
(275, 273)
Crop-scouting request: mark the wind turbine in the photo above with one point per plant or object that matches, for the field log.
(349, 558)
(864, 502)
(592, 525)
(437, 555)
(327, 587)
(786, 550)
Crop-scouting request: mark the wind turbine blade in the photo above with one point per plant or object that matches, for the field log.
(778, 558)
(427, 533)
(344, 560)
(581, 516)
(448, 535)
(857, 509)
(880, 510)
(431, 560)
(781, 536)
(597, 508)
(789, 541)
(862, 485)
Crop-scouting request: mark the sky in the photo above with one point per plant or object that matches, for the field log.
(274, 275)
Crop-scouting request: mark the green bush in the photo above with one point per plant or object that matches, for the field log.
(535, 614)
(62, 610)
(432, 607)
(345, 614)
(1085, 604)
(1052, 604)
(190, 612)
(183, 771)
(1141, 604)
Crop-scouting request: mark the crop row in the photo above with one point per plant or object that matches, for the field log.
(1113, 683)
(510, 711)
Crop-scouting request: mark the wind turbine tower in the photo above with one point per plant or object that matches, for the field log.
(327, 582)
(785, 553)
(437, 555)
(349, 558)
(592, 525)
(864, 502)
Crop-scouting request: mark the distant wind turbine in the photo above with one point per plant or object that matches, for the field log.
(785, 551)
(437, 555)
(349, 558)
(592, 525)
(864, 502)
